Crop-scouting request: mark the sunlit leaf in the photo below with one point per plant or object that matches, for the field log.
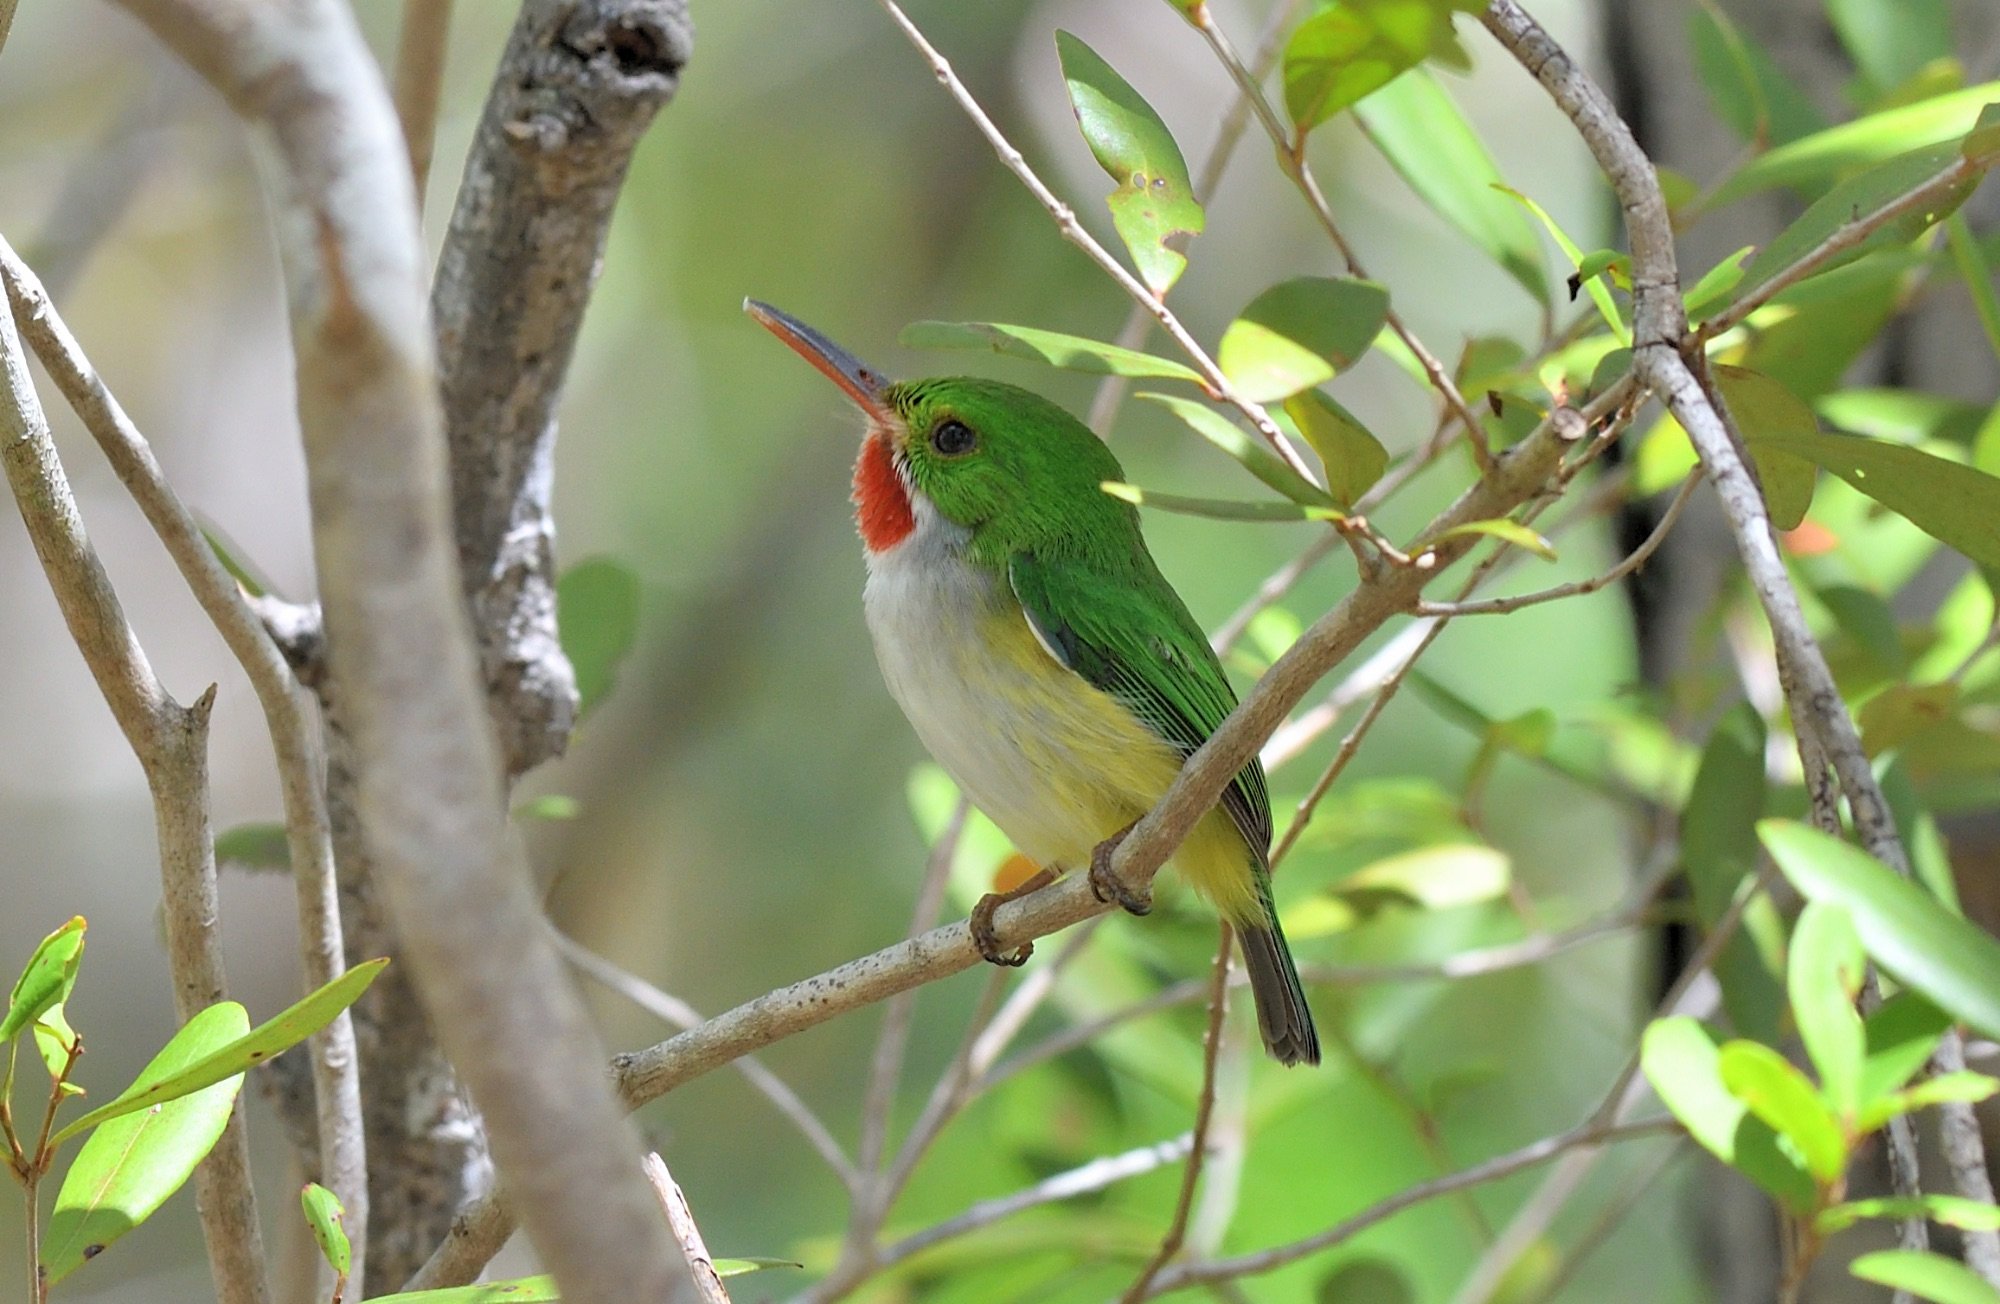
(131, 1164)
(1816, 159)
(1221, 509)
(1947, 1210)
(597, 616)
(1067, 352)
(325, 1216)
(1962, 1087)
(1255, 456)
(1825, 971)
(1907, 416)
(1928, 1276)
(287, 1029)
(1426, 137)
(1435, 877)
(1681, 1060)
(1902, 926)
(1600, 294)
(520, 1290)
(742, 1266)
(46, 980)
(1356, 47)
(1299, 333)
(1154, 207)
(1507, 532)
(549, 806)
(1784, 1099)
(1953, 503)
(1715, 286)
(1354, 459)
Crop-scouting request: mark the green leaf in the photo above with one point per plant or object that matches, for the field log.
(1356, 47)
(1814, 160)
(1892, 41)
(324, 1215)
(1953, 503)
(1901, 1034)
(1426, 137)
(133, 1163)
(57, 1043)
(1949, 1210)
(1715, 285)
(1765, 410)
(1907, 416)
(46, 980)
(1825, 973)
(1758, 102)
(1856, 198)
(1257, 459)
(1869, 624)
(285, 1030)
(1903, 927)
(1067, 352)
(1600, 294)
(742, 1265)
(1719, 853)
(1962, 1087)
(1928, 1276)
(1777, 1093)
(597, 616)
(1507, 532)
(1354, 459)
(1154, 207)
(254, 846)
(1983, 141)
(1299, 333)
(549, 806)
(1435, 877)
(253, 583)
(1221, 509)
(1680, 1058)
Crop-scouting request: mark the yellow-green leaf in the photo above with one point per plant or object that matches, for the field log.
(1068, 352)
(1257, 459)
(1299, 333)
(325, 1216)
(45, 980)
(1354, 459)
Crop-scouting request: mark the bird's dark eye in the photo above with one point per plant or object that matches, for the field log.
(953, 438)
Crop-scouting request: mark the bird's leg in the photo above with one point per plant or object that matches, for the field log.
(1105, 884)
(981, 921)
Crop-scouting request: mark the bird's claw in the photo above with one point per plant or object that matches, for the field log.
(1105, 884)
(987, 941)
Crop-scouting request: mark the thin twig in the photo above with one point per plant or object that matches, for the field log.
(671, 1009)
(1638, 557)
(287, 717)
(171, 743)
(674, 1204)
(419, 81)
(1590, 1136)
(1204, 1111)
(1074, 232)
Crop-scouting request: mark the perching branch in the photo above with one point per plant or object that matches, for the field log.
(642, 1076)
(399, 652)
(1659, 335)
(337, 1088)
(171, 742)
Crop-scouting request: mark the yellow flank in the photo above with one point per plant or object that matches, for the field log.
(1094, 766)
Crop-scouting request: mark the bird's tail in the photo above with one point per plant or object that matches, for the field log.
(1282, 1016)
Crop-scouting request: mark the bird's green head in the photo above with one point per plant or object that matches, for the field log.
(1005, 463)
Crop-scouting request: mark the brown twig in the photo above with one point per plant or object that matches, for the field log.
(680, 1218)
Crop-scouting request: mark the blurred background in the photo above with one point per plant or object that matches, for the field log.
(744, 797)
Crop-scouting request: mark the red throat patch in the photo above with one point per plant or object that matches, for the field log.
(881, 504)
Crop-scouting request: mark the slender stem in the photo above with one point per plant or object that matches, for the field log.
(1204, 1112)
(1978, 277)
(1073, 231)
(38, 1286)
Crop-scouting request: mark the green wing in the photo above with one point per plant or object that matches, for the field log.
(1136, 641)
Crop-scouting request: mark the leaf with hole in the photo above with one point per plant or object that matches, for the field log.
(1903, 927)
(1354, 459)
(597, 615)
(1299, 333)
(131, 1164)
(46, 980)
(1067, 352)
(1154, 208)
(1255, 458)
(1429, 141)
(285, 1030)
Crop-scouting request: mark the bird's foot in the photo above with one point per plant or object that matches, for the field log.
(981, 923)
(1105, 884)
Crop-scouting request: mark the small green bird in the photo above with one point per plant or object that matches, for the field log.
(1042, 657)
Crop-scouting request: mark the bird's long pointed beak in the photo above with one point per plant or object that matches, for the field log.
(862, 383)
